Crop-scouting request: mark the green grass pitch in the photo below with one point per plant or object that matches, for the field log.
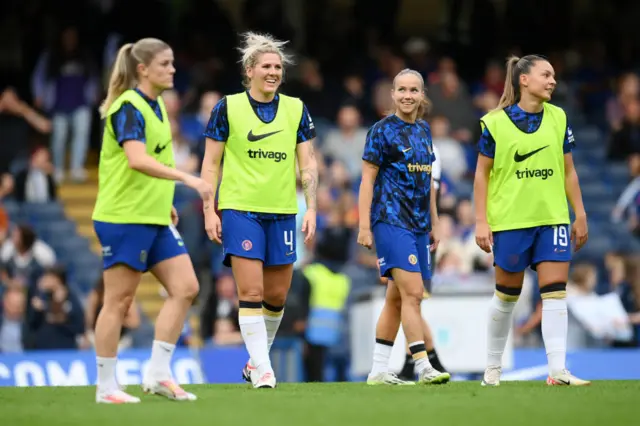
(354, 404)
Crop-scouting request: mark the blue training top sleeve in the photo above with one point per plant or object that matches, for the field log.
(128, 124)
(427, 130)
(486, 144)
(306, 129)
(374, 146)
(569, 141)
(218, 126)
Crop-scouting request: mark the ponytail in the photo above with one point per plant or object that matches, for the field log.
(424, 108)
(511, 91)
(123, 76)
(515, 68)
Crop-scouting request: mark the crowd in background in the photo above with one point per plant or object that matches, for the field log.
(58, 102)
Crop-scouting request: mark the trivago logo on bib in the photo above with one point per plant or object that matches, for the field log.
(534, 173)
(261, 154)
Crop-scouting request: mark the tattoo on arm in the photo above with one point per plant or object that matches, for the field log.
(309, 179)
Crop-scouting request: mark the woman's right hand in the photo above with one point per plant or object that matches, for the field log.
(365, 238)
(212, 225)
(484, 236)
(204, 189)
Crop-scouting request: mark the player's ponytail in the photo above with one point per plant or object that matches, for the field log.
(122, 77)
(515, 68)
(254, 45)
(124, 74)
(511, 89)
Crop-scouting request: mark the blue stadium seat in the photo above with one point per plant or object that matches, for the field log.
(11, 207)
(589, 136)
(59, 230)
(599, 210)
(42, 212)
(85, 278)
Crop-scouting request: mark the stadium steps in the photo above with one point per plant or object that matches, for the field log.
(78, 201)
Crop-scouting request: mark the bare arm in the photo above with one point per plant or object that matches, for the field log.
(480, 187)
(308, 172)
(369, 174)
(210, 171)
(142, 162)
(38, 121)
(572, 186)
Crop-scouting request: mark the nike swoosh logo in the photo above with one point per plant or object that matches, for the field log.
(255, 138)
(406, 150)
(158, 149)
(519, 158)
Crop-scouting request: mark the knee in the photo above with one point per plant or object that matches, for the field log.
(250, 294)
(413, 295)
(275, 296)
(188, 290)
(119, 306)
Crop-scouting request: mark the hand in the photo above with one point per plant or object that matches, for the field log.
(212, 224)
(204, 189)
(309, 225)
(484, 236)
(11, 102)
(365, 238)
(174, 216)
(435, 237)
(37, 304)
(579, 232)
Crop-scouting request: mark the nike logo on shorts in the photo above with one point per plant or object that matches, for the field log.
(255, 138)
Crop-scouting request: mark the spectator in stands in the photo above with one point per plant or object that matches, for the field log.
(25, 256)
(492, 80)
(66, 84)
(452, 155)
(354, 93)
(35, 184)
(12, 311)
(185, 158)
(17, 119)
(624, 280)
(628, 91)
(346, 142)
(93, 306)
(629, 201)
(226, 330)
(194, 125)
(55, 319)
(451, 99)
(626, 141)
(582, 283)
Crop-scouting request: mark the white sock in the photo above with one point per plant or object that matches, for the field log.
(254, 334)
(500, 320)
(554, 333)
(419, 353)
(381, 355)
(160, 363)
(272, 322)
(106, 374)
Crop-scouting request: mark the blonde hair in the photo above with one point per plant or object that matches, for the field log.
(515, 68)
(425, 103)
(124, 73)
(254, 45)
